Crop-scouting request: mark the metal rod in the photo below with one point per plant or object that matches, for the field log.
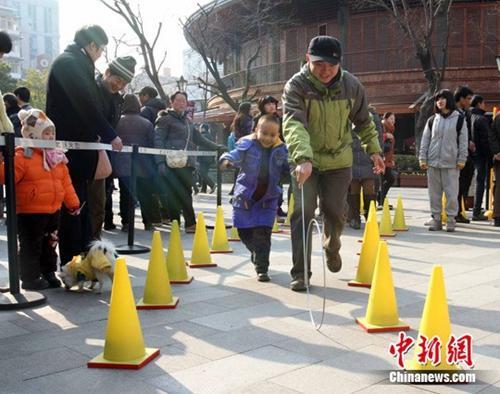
(11, 221)
(132, 193)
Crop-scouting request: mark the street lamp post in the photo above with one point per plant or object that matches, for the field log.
(182, 84)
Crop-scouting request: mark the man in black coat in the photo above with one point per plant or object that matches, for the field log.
(151, 104)
(482, 156)
(73, 105)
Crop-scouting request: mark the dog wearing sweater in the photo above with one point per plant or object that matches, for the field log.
(98, 263)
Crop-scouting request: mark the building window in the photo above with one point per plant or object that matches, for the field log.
(47, 20)
(48, 47)
(322, 30)
(32, 15)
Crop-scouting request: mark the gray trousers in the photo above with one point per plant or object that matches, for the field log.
(441, 180)
(331, 187)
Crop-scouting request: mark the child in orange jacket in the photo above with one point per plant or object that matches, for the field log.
(43, 184)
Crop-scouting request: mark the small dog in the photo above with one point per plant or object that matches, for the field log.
(93, 267)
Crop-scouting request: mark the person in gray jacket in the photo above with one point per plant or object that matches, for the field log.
(176, 132)
(443, 152)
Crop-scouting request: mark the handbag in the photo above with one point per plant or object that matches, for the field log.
(103, 169)
(179, 158)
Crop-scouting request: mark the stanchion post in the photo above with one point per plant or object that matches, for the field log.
(219, 179)
(14, 298)
(11, 221)
(132, 248)
(132, 194)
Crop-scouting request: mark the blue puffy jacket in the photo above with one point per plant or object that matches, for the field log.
(247, 156)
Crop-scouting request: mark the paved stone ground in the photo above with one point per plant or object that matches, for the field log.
(233, 334)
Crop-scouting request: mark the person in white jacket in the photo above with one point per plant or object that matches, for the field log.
(443, 152)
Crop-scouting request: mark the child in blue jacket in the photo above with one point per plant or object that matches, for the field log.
(262, 159)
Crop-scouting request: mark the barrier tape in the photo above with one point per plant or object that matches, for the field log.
(76, 145)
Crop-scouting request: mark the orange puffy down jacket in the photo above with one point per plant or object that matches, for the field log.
(39, 190)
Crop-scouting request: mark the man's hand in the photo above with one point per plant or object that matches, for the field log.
(472, 146)
(460, 166)
(423, 165)
(117, 144)
(378, 163)
(303, 172)
(497, 156)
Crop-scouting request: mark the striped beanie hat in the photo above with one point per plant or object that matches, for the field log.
(124, 67)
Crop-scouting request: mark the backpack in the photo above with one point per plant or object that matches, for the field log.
(460, 123)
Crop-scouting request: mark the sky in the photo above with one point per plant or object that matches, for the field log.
(76, 13)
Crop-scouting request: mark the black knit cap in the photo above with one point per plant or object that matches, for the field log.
(325, 49)
(124, 67)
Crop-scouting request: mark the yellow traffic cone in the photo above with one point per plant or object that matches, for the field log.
(385, 223)
(291, 205)
(200, 254)
(157, 291)
(176, 265)
(444, 216)
(382, 310)
(124, 344)
(233, 235)
(220, 243)
(399, 223)
(276, 228)
(435, 323)
(372, 215)
(367, 257)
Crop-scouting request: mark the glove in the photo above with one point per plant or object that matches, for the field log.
(460, 165)
(162, 169)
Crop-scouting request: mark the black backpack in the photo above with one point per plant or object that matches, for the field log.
(460, 123)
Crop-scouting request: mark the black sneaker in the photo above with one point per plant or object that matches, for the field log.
(298, 284)
(263, 277)
(355, 224)
(36, 284)
(334, 262)
(109, 226)
(282, 213)
(479, 217)
(52, 279)
(497, 222)
(462, 219)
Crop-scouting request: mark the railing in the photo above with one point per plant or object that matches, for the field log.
(261, 75)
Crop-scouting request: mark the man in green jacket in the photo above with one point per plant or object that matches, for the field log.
(320, 104)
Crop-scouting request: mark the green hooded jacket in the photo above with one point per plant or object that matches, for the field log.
(317, 120)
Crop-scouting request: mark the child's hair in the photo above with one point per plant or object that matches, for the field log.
(131, 104)
(271, 118)
(243, 110)
(448, 96)
(265, 100)
(91, 34)
(11, 99)
(387, 115)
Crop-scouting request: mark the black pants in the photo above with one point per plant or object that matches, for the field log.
(482, 166)
(258, 242)
(387, 182)
(464, 181)
(75, 231)
(150, 210)
(178, 187)
(37, 254)
(205, 179)
(108, 207)
(331, 187)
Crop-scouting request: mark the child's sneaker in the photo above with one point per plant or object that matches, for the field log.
(450, 226)
(263, 277)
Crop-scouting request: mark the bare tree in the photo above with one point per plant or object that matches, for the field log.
(214, 34)
(423, 22)
(146, 47)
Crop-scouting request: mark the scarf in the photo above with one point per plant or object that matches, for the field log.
(53, 157)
